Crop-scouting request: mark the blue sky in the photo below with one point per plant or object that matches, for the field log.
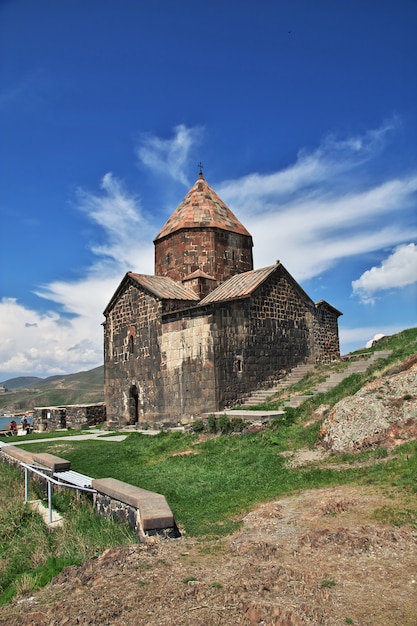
(303, 114)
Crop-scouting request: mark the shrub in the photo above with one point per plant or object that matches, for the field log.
(223, 425)
(197, 426)
(212, 424)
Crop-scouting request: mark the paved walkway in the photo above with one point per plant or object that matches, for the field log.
(99, 435)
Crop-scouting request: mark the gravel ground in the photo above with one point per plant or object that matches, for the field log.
(314, 558)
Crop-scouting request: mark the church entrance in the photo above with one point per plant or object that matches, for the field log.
(133, 405)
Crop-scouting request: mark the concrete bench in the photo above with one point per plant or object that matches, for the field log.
(17, 454)
(153, 509)
(51, 462)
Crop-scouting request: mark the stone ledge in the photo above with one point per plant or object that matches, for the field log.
(23, 456)
(154, 511)
(52, 462)
(246, 414)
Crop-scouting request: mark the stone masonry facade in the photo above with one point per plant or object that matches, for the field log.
(218, 254)
(75, 416)
(203, 333)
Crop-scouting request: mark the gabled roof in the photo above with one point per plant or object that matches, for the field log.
(197, 274)
(237, 287)
(323, 303)
(164, 288)
(202, 208)
(240, 285)
(160, 287)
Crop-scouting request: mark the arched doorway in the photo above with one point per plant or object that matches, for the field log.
(133, 405)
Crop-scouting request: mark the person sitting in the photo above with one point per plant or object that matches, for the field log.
(13, 428)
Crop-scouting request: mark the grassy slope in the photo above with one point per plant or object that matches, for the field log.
(223, 477)
(209, 490)
(30, 554)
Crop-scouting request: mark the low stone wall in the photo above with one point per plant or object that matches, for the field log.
(85, 415)
(15, 456)
(49, 418)
(146, 512)
(69, 416)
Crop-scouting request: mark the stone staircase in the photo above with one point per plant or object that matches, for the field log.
(356, 367)
(263, 395)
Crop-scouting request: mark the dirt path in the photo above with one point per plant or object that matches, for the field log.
(314, 558)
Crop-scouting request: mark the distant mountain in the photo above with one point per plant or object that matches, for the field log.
(21, 381)
(26, 392)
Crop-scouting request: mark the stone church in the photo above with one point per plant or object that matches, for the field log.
(207, 328)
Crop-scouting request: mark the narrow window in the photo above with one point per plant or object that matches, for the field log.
(238, 365)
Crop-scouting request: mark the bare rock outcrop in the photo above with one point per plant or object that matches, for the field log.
(381, 414)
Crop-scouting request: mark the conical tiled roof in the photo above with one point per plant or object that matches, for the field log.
(202, 208)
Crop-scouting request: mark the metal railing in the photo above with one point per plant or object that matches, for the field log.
(51, 481)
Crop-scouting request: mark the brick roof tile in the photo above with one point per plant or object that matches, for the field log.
(202, 208)
(239, 286)
(164, 287)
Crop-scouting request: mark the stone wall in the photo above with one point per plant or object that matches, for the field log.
(146, 512)
(187, 365)
(259, 337)
(125, 513)
(132, 372)
(326, 333)
(219, 253)
(69, 416)
(164, 366)
(49, 418)
(85, 415)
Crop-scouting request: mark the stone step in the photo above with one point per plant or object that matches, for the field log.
(296, 401)
(293, 377)
(358, 367)
(298, 373)
(251, 416)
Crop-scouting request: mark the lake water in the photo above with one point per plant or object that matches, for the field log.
(5, 421)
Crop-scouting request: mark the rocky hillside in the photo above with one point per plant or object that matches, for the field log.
(382, 414)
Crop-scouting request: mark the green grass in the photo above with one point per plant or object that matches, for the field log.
(31, 554)
(209, 490)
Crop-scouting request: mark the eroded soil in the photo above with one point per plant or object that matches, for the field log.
(315, 558)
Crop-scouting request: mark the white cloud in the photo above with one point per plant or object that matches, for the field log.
(397, 270)
(127, 246)
(26, 92)
(55, 343)
(313, 213)
(127, 233)
(324, 207)
(313, 175)
(46, 344)
(310, 235)
(170, 156)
